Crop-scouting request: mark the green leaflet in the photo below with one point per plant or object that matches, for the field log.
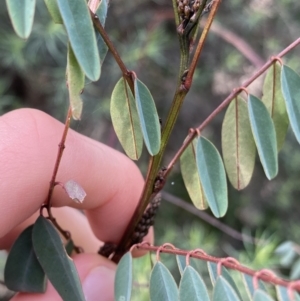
(54, 11)
(23, 272)
(213, 274)
(191, 178)
(148, 117)
(223, 291)
(274, 101)
(162, 284)
(125, 120)
(260, 295)
(123, 279)
(75, 80)
(212, 175)
(81, 33)
(290, 83)
(264, 135)
(192, 287)
(238, 146)
(58, 266)
(21, 14)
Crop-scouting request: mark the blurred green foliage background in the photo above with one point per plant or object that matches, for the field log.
(245, 34)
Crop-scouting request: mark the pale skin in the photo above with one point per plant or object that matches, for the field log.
(28, 147)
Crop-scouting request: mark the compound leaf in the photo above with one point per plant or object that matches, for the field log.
(162, 284)
(290, 82)
(58, 266)
(123, 279)
(81, 33)
(212, 175)
(21, 14)
(274, 101)
(192, 287)
(191, 177)
(264, 135)
(238, 145)
(148, 117)
(125, 120)
(23, 272)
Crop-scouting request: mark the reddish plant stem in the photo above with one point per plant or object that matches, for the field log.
(264, 275)
(193, 133)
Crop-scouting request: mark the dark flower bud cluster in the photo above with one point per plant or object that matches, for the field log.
(187, 9)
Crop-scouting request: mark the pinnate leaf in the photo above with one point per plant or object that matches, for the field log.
(81, 33)
(274, 101)
(162, 284)
(212, 176)
(191, 177)
(238, 145)
(54, 11)
(264, 135)
(223, 291)
(290, 83)
(148, 117)
(125, 119)
(192, 287)
(21, 14)
(58, 266)
(23, 272)
(123, 279)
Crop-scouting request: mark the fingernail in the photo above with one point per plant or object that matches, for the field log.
(99, 284)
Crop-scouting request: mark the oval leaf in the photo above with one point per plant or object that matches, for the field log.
(248, 282)
(290, 82)
(260, 295)
(81, 35)
(125, 120)
(162, 284)
(282, 294)
(148, 117)
(23, 272)
(191, 178)
(123, 279)
(213, 177)
(223, 291)
(54, 11)
(264, 135)
(274, 101)
(192, 287)
(238, 146)
(213, 274)
(75, 80)
(21, 14)
(58, 266)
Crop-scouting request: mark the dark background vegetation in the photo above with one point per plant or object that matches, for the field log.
(244, 36)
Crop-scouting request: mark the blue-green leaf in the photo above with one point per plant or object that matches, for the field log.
(23, 272)
(56, 263)
(181, 263)
(264, 135)
(162, 284)
(123, 279)
(75, 80)
(191, 177)
(274, 102)
(260, 295)
(213, 177)
(238, 145)
(54, 11)
(148, 117)
(21, 14)
(223, 291)
(248, 282)
(213, 274)
(79, 26)
(192, 287)
(125, 120)
(282, 294)
(290, 83)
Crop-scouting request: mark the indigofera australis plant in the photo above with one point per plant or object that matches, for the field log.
(249, 124)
